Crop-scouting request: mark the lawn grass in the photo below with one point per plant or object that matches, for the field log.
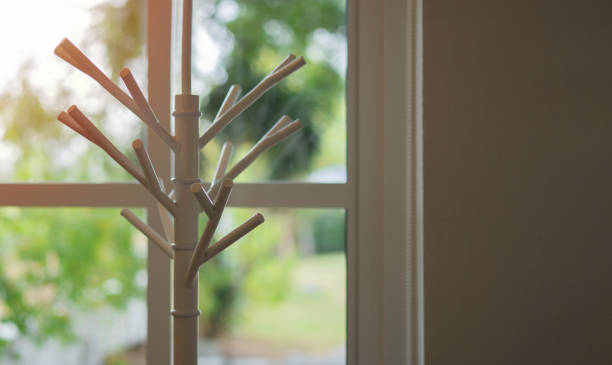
(312, 317)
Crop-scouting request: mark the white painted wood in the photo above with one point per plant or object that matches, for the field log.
(382, 206)
(159, 334)
(282, 122)
(153, 184)
(149, 232)
(289, 195)
(226, 154)
(365, 230)
(145, 109)
(69, 121)
(146, 165)
(166, 221)
(105, 144)
(252, 195)
(236, 234)
(261, 146)
(352, 268)
(209, 231)
(71, 54)
(74, 195)
(230, 99)
(186, 171)
(285, 62)
(269, 81)
(402, 251)
(203, 199)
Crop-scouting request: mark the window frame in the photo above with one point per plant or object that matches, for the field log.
(382, 195)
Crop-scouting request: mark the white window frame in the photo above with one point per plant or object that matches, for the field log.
(382, 196)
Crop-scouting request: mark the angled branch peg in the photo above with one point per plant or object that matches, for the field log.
(153, 184)
(290, 57)
(166, 219)
(105, 144)
(209, 231)
(67, 120)
(231, 237)
(204, 200)
(71, 54)
(265, 143)
(224, 157)
(150, 118)
(230, 99)
(149, 232)
(282, 122)
(280, 72)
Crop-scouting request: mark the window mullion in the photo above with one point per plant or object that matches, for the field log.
(159, 15)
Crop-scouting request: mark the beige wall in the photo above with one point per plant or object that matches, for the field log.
(518, 182)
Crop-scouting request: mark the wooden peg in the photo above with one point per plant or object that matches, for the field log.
(284, 62)
(283, 121)
(67, 120)
(284, 132)
(63, 54)
(105, 144)
(204, 200)
(150, 119)
(152, 180)
(155, 237)
(286, 70)
(165, 216)
(209, 231)
(226, 154)
(81, 62)
(270, 80)
(230, 99)
(231, 237)
(263, 144)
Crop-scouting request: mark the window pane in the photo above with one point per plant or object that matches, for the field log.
(35, 85)
(239, 42)
(72, 285)
(278, 296)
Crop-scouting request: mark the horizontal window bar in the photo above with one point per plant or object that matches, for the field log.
(287, 195)
(297, 195)
(74, 195)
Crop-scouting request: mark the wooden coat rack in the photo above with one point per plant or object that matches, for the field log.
(180, 207)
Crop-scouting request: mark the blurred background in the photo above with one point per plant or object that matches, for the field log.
(73, 280)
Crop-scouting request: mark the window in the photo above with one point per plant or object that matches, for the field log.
(378, 191)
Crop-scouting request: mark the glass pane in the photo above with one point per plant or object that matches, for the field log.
(35, 85)
(278, 296)
(72, 285)
(239, 42)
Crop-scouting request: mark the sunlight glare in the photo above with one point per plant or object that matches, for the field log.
(31, 30)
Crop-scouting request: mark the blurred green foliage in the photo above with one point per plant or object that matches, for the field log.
(254, 269)
(329, 231)
(261, 35)
(57, 260)
(121, 29)
(251, 269)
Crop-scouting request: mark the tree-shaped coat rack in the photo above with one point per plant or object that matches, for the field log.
(181, 206)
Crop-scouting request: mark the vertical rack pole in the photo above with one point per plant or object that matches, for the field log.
(186, 163)
(185, 311)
